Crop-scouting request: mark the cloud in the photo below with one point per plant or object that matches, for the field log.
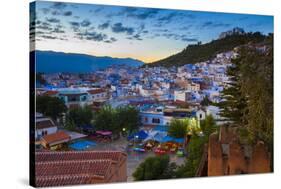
(210, 25)
(98, 9)
(75, 24)
(93, 36)
(144, 31)
(48, 37)
(137, 13)
(119, 28)
(40, 32)
(129, 10)
(45, 10)
(53, 20)
(162, 30)
(74, 6)
(51, 37)
(56, 13)
(104, 26)
(184, 38)
(189, 39)
(67, 13)
(146, 13)
(85, 23)
(44, 26)
(58, 5)
(111, 40)
(58, 30)
(137, 37)
(186, 27)
(140, 33)
(169, 17)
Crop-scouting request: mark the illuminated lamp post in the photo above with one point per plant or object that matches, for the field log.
(136, 137)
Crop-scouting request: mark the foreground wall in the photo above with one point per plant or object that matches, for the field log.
(227, 156)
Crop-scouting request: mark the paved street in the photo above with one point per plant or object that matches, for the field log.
(134, 158)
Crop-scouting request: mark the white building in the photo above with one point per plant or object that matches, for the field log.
(97, 94)
(180, 95)
(200, 115)
(44, 126)
(193, 87)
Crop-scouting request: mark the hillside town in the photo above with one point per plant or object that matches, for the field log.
(115, 120)
(122, 94)
(159, 94)
(145, 88)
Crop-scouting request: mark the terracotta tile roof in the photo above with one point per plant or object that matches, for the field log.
(42, 124)
(77, 155)
(56, 137)
(50, 93)
(58, 168)
(96, 91)
(73, 167)
(62, 180)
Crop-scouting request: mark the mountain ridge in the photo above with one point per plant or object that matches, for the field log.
(202, 52)
(54, 62)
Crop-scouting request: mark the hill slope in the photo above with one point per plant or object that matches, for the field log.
(53, 62)
(202, 52)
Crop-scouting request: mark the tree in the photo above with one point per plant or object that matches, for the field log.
(80, 116)
(128, 118)
(195, 152)
(50, 106)
(205, 101)
(208, 126)
(248, 102)
(70, 125)
(154, 168)
(195, 148)
(115, 120)
(257, 84)
(233, 105)
(178, 128)
(106, 119)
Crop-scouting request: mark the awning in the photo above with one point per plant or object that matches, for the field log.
(104, 133)
(139, 135)
(172, 139)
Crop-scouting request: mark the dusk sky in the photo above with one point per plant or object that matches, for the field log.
(141, 33)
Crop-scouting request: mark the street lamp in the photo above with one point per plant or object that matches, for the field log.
(136, 137)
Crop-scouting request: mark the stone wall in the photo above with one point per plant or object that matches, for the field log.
(226, 156)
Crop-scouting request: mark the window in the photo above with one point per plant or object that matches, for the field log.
(145, 119)
(44, 133)
(84, 98)
(155, 120)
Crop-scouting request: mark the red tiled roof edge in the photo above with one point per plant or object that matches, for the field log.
(58, 136)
